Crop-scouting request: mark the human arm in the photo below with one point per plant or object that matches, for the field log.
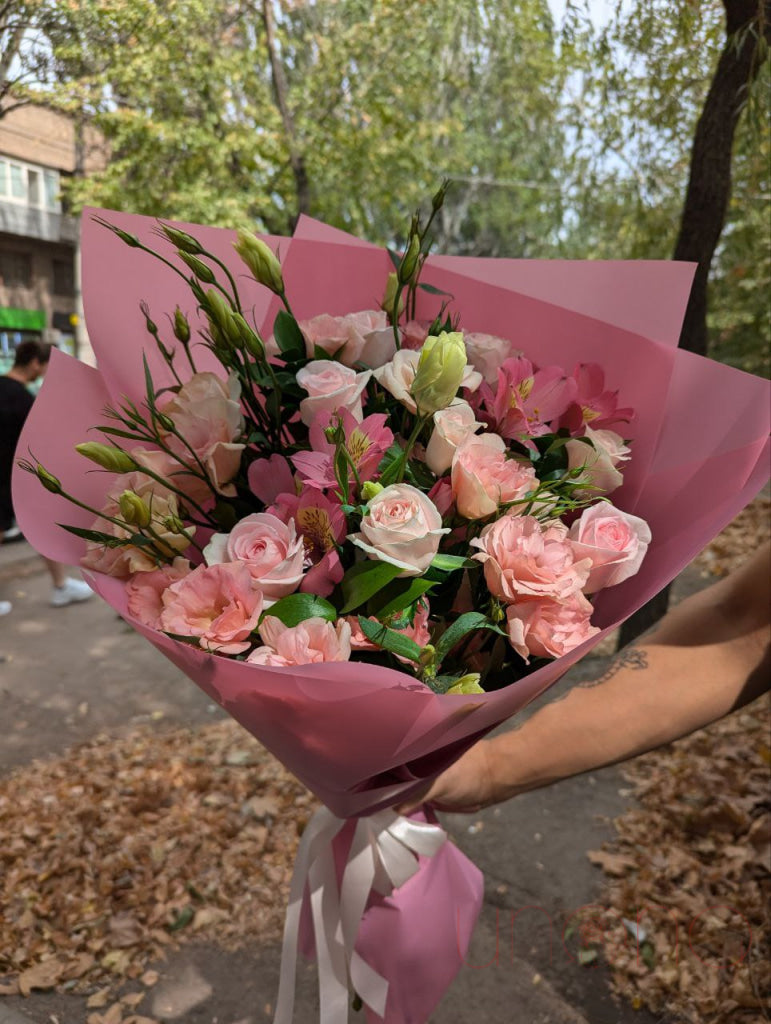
(708, 656)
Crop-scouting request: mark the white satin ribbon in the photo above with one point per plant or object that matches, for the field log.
(382, 857)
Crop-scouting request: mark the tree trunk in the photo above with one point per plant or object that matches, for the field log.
(708, 194)
(296, 158)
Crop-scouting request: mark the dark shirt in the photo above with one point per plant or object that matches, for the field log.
(15, 404)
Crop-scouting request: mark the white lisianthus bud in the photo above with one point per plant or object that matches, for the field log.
(260, 260)
(439, 372)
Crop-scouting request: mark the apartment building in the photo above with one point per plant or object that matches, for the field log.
(38, 241)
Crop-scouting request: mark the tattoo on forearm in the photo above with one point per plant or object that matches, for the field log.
(631, 657)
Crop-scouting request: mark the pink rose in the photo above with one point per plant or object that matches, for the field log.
(330, 387)
(614, 542)
(145, 590)
(483, 477)
(486, 352)
(312, 641)
(218, 604)
(452, 426)
(549, 629)
(599, 459)
(402, 526)
(355, 338)
(270, 549)
(522, 558)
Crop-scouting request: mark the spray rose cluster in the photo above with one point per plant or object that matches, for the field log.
(373, 486)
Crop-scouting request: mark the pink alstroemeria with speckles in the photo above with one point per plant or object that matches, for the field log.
(526, 400)
(322, 524)
(366, 442)
(592, 405)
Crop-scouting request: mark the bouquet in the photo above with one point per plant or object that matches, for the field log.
(361, 499)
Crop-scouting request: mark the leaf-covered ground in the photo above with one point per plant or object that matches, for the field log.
(122, 847)
(125, 846)
(688, 931)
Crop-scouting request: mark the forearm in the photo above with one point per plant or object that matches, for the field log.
(651, 695)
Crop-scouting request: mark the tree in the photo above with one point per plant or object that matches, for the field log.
(748, 33)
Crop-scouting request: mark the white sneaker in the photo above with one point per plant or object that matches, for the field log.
(5, 607)
(73, 590)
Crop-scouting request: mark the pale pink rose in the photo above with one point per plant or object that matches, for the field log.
(486, 352)
(312, 641)
(549, 629)
(207, 413)
(398, 375)
(452, 426)
(145, 590)
(600, 459)
(217, 604)
(413, 334)
(402, 526)
(128, 559)
(614, 542)
(524, 559)
(270, 477)
(364, 337)
(271, 550)
(483, 477)
(330, 386)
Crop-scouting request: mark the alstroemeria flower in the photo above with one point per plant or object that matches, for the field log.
(526, 400)
(366, 443)
(270, 477)
(321, 523)
(592, 405)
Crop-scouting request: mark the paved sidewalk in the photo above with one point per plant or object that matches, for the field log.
(69, 673)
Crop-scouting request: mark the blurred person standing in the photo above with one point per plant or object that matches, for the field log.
(30, 364)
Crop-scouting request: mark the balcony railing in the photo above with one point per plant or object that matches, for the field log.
(28, 222)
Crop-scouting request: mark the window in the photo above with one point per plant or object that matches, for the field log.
(16, 269)
(3, 173)
(18, 182)
(64, 277)
(51, 181)
(34, 190)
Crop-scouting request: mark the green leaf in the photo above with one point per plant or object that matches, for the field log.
(149, 386)
(365, 579)
(449, 563)
(183, 919)
(107, 539)
(454, 634)
(295, 608)
(389, 639)
(288, 336)
(434, 291)
(398, 595)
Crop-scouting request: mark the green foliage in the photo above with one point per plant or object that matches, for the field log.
(560, 140)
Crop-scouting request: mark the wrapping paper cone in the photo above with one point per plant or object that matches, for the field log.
(362, 737)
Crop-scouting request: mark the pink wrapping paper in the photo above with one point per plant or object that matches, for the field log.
(362, 737)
